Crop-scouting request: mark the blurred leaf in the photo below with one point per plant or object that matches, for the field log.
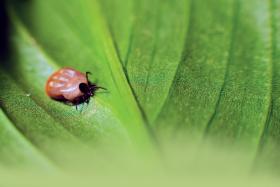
(270, 141)
(16, 150)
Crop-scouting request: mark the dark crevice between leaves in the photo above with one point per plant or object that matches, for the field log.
(123, 60)
(235, 20)
(143, 114)
(269, 117)
(4, 31)
(117, 50)
(124, 65)
(131, 39)
(145, 118)
(115, 44)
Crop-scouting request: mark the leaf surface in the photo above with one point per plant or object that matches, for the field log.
(190, 69)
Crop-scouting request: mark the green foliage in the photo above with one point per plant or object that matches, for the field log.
(174, 69)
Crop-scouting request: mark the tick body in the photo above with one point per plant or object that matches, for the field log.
(71, 86)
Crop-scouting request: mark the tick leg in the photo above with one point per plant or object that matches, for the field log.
(77, 107)
(88, 73)
(98, 87)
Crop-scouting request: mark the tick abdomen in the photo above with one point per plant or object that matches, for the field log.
(64, 84)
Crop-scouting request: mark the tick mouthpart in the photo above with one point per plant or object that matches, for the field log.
(89, 89)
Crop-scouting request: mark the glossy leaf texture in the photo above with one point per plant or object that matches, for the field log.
(191, 69)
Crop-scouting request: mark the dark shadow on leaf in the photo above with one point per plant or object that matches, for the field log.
(4, 31)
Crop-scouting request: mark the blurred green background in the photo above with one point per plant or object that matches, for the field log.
(193, 88)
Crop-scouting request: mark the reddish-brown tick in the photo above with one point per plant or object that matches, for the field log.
(70, 86)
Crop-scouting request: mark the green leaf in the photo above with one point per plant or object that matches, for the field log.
(222, 86)
(192, 69)
(154, 47)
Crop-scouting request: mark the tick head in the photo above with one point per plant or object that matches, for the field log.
(84, 88)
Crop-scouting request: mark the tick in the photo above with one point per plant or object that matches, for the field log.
(70, 86)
